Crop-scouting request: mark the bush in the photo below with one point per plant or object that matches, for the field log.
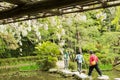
(48, 52)
(104, 61)
(46, 64)
(106, 67)
(72, 65)
(47, 49)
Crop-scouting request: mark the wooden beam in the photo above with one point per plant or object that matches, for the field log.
(37, 7)
(17, 2)
(17, 14)
(54, 14)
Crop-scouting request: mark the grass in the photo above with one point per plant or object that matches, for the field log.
(29, 67)
(106, 67)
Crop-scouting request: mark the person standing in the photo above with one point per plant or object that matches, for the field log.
(66, 59)
(93, 60)
(79, 59)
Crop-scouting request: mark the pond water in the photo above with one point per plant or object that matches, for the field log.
(112, 74)
(32, 75)
(38, 75)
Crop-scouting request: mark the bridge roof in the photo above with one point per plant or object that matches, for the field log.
(20, 10)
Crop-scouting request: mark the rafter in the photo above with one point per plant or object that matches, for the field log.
(17, 2)
(46, 8)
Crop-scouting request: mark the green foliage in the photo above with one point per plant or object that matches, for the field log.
(106, 58)
(86, 58)
(2, 46)
(105, 61)
(49, 52)
(7, 43)
(108, 41)
(46, 64)
(89, 46)
(106, 66)
(47, 49)
(29, 67)
(72, 65)
(26, 49)
(15, 61)
(116, 19)
(100, 56)
(109, 38)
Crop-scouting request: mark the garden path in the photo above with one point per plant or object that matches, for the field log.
(60, 64)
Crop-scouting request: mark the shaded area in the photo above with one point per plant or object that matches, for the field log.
(19, 10)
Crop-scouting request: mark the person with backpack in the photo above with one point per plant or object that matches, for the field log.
(79, 59)
(93, 60)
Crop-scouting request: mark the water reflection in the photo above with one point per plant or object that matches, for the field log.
(32, 75)
(39, 75)
(112, 74)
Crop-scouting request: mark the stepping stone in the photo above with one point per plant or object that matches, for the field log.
(103, 77)
(116, 78)
(66, 73)
(82, 76)
(52, 70)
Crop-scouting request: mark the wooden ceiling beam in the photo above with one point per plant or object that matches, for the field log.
(37, 7)
(16, 2)
(47, 8)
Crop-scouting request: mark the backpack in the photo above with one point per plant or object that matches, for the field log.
(79, 58)
(94, 61)
(66, 55)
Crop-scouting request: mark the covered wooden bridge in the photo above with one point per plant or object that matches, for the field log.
(20, 10)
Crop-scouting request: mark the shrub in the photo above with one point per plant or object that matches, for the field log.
(48, 52)
(72, 65)
(47, 49)
(46, 64)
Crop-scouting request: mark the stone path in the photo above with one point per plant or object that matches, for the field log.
(60, 64)
(83, 76)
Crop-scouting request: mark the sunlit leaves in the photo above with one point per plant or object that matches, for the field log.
(100, 15)
(110, 38)
(9, 41)
(47, 49)
(89, 46)
(116, 20)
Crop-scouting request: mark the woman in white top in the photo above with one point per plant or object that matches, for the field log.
(79, 59)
